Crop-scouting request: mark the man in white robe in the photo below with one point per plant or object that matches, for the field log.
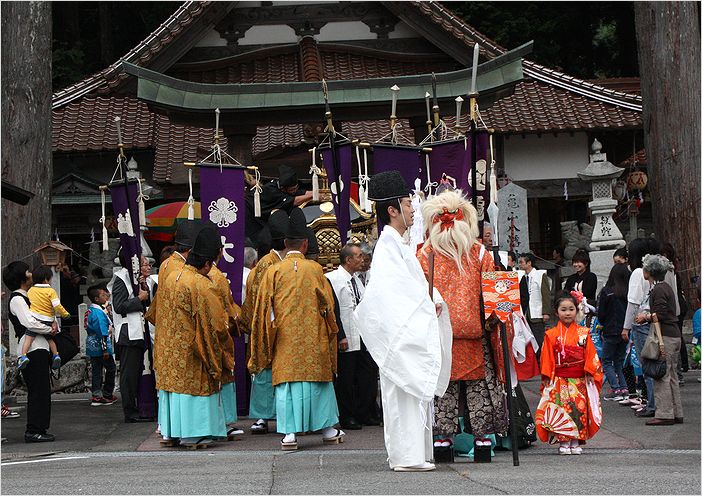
(407, 334)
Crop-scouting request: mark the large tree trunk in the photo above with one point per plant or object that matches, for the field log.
(668, 36)
(26, 124)
(107, 48)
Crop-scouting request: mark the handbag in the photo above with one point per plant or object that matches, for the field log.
(652, 347)
(657, 367)
(66, 347)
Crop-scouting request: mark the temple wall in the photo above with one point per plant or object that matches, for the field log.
(545, 157)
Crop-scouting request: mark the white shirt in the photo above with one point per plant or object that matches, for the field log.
(343, 287)
(638, 290)
(244, 277)
(20, 309)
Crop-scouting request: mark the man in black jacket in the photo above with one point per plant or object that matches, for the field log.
(128, 315)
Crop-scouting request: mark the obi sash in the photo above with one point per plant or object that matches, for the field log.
(573, 366)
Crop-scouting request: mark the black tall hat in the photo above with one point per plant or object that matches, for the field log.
(286, 176)
(208, 242)
(387, 185)
(298, 225)
(278, 223)
(187, 232)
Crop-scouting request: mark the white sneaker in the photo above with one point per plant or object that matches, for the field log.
(424, 467)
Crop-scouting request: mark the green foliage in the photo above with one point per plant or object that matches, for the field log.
(78, 38)
(584, 39)
(67, 64)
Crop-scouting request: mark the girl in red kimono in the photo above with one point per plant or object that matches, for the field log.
(569, 411)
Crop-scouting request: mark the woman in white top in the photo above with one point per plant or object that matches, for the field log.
(635, 326)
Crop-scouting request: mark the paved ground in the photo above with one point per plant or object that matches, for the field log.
(96, 453)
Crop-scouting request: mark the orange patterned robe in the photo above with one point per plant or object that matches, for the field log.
(572, 373)
(462, 295)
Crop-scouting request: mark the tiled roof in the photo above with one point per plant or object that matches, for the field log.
(87, 125)
(271, 68)
(539, 107)
(548, 101)
(349, 65)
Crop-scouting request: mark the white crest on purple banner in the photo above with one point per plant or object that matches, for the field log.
(227, 246)
(124, 224)
(223, 212)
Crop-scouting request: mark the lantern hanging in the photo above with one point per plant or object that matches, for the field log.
(636, 181)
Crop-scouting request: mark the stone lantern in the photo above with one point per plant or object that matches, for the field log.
(606, 236)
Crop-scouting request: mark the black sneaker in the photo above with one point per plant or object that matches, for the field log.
(38, 438)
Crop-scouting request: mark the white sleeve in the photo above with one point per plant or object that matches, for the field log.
(19, 308)
(636, 291)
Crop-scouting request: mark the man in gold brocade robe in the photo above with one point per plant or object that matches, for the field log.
(295, 310)
(188, 352)
(262, 400)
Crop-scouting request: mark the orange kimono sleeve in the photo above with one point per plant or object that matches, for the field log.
(548, 360)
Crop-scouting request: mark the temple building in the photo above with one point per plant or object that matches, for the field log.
(543, 123)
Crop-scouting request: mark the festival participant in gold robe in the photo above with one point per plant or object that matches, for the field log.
(262, 400)
(295, 310)
(459, 261)
(184, 239)
(192, 319)
(228, 382)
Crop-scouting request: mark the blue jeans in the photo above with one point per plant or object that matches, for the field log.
(613, 354)
(639, 333)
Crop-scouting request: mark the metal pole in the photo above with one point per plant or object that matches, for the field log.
(474, 150)
(508, 384)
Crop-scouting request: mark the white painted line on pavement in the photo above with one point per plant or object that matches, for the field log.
(43, 460)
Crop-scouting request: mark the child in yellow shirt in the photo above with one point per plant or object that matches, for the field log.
(44, 304)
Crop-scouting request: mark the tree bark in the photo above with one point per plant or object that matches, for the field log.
(668, 37)
(26, 125)
(107, 48)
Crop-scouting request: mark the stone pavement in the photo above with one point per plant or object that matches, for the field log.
(94, 445)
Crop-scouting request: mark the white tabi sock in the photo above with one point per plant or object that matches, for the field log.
(290, 438)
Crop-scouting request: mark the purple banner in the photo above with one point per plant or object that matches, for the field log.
(124, 207)
(222, 203)
(406, 160)
(453, 158)
(340, 196)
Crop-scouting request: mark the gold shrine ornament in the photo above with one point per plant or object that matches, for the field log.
(636, 181)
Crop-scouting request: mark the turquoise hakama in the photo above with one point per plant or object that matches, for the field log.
(186, 416)
(228, 393)
(262, 403)
(305, 406)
